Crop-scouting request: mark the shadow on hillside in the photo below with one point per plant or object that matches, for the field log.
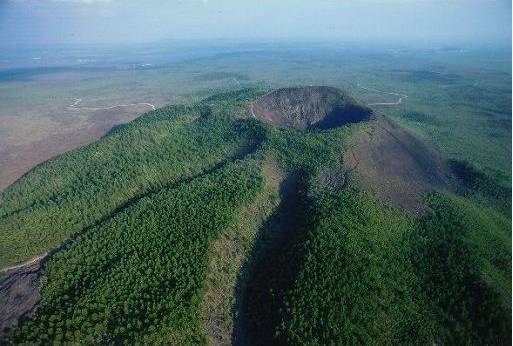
(271, 268)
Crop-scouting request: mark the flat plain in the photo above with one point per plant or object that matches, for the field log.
(459, 100)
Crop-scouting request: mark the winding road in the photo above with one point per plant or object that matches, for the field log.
(399, 101)
(75, 106)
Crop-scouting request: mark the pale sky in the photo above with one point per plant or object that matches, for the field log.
(28, 22)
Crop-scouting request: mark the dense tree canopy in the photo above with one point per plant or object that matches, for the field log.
(137, 212)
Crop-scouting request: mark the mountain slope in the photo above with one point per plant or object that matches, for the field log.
(143, 217)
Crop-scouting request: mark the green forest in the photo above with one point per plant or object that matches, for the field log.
(131, 220)
(367, 275)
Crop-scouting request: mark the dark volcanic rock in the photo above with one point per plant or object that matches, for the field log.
(400, 168)
(309, 107)
(19, 295)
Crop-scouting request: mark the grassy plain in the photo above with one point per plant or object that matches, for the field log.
(458, 99)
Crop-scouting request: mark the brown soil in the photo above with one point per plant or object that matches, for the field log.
(309, 107)
(19, 295)
(399, 167)
(17, 159)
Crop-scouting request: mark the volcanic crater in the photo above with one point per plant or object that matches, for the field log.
(304, 107)
(383, 157)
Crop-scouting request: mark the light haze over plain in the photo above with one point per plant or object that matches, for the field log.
(423, 22)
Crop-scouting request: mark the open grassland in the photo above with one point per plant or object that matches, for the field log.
(459, 100)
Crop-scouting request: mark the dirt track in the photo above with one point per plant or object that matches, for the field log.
(399, 101)
(17, 159)
(24, 264)
(74, 106)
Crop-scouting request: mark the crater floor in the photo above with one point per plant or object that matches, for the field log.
(309, 107)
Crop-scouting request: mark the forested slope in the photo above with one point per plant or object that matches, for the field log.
(71, 192)
(365, 274)
(142, 216)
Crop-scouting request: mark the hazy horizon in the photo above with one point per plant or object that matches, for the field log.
(27, 23)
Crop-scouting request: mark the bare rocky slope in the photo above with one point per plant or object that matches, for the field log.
(309, 107)
(19, 294)
(381, 157)
(396, 165)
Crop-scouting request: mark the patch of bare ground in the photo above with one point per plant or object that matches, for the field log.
(318, 107)
(17, 159)
(227, 258)
(19, 293)
(398, 167)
